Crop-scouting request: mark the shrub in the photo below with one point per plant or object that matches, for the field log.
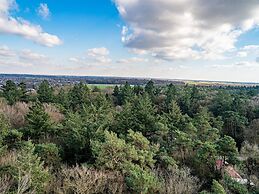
(15, 114)
(234, 186)
(142, 181)
(49, 153)
(217, 188)
(177, 180)
(82, 180)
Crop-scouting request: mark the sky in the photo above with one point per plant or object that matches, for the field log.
(172, 39)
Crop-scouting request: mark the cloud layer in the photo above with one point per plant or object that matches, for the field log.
(186, 29)
(23, 28)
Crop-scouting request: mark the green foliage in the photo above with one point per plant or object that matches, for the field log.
(11, 138)
(39, 124)
(141, 181)
(205, 160)
(10, 92)
(49, 153)
(23, 92)
(217, 188)
(75, 139)
(62, 98)
(133, 157)
(234, 186)
(45, 92)
(221, 103)
(30, 171)
(78, 96)
(144, 134)
(234, 126)
(226, 147)
(150, 89)
(114, 152)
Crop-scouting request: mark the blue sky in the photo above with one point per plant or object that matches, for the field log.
(216, 40)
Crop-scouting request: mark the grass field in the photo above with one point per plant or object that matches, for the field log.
(101, 86)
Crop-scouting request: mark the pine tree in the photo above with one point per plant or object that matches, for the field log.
(39, 123)
(10, 92)
(217, 188)
(31, 176)
(45, 92)
(22, 92)
(78, 96)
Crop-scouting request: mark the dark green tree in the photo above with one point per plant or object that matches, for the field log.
(39, 124)
(78, 96)
(23, 92)
(10, 92)
(45, 92)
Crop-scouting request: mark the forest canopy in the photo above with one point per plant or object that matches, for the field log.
(129, 139)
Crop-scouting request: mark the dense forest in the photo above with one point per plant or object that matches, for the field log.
(129, 139)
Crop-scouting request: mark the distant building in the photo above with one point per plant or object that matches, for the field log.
(231, 172)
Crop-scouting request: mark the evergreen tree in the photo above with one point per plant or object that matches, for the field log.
(45, 92)
(10, 92)
(31, 176)
(217, 188)
(226, 147)
(23, 92)
(150, 90)
(39, 123)
(170, 95)
(62, 98)
(78, 96)
(126, 94)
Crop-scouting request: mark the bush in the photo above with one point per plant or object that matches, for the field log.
(217, 188)
(141, 181)
(49, 153)
(234, 186)
(177, 180)
(82, 180)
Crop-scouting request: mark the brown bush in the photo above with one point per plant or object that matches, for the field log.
(8, 158)
(82, 180)
(54, 113)
(178, 181)
(15, 114)
(5, 184)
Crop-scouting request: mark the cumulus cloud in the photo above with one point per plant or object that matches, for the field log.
(186, 29)
(100, 55)
(23, 28)
(43, 11)
(26, 58)
(93, 56)
(98, 52)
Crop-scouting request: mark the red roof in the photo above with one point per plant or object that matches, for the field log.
(228, 169)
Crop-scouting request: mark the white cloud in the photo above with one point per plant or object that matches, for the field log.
(98, 52)
(43, 11)
(6, 52)
(32, 56)
(24, 61)
(99, 55)
(94, 56)
(74, 59)
(247, 50)
(186, 29)
(240, 64)
(132, 60)
(242, 54)
(23, 28)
